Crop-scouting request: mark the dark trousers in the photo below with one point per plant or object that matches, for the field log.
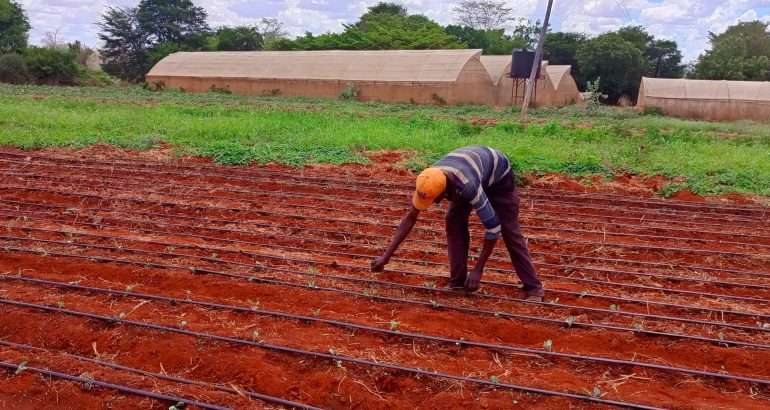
(505, 201)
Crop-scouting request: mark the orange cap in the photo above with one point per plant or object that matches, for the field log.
(430, 184)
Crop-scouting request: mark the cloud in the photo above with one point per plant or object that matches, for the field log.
(686, 21)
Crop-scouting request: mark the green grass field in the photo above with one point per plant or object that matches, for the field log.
(714, 158)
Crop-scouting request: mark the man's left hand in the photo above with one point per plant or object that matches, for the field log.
(473, 282)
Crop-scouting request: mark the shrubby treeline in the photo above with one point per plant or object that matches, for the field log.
(135, 38)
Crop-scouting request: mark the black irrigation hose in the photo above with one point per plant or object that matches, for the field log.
(325, 356)
(494, 283)
(323, 181)
(400, 209)
(357, 222)
(306, 261)
(473, 311)
(102, 187)
(347, 266)
(376, 330)
(175, 379)
(67, 209)
(118, 387)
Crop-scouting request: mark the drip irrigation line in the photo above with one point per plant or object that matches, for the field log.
(175, 379)
(532, 206)
(643, 211)
(494, 283)
(431, 230)
(571, 268)
(400, 210)
(378, 183)
(311, 262)
(323, 181)
(313, 286)
(111, 386)
(155, 215)
(322, 356)
(381, 331)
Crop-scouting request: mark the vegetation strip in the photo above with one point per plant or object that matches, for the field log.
(723, 342)
(319, 355)
(118, 387)
(411, 335)
(386, 283)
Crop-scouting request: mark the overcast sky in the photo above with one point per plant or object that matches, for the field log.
(686, 21)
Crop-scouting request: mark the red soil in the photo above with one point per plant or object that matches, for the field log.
(619, 265)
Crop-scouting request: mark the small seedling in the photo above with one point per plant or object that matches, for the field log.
(254, 304)
(316, 312)
(255, 335)
(430, 284)
(312, 285)
(548, 345)
(498, 314)
(493, 379)
(614, 307)
(596, 393)
(555, 301)
(130, 288)
(394, 325)
(570, 320)
(312, 270)
(434, 303)
(721, 336)
(179, 406)
(121, 316)
(60, 304)
(332, 352)
(182, 323)
(583, 294)
(338, 363)
(21, 368)
(639, 326)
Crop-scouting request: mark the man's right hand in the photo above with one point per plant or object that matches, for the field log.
(378, 264)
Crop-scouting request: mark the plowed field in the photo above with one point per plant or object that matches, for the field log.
(132, 283)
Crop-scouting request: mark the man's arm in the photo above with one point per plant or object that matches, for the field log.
(473, 281)
(406, 225)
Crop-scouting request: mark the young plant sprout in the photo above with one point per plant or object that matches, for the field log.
(548, 345)
(394, 324)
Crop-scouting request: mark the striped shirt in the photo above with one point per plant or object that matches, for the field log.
(477, 168)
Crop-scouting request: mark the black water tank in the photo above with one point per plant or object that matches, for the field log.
(523, 59)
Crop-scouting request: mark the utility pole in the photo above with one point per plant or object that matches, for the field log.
(536, 65)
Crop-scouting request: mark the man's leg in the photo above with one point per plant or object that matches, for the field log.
(505, 201)
(458, 241)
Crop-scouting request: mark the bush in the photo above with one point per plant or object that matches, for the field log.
(350, 92)
(51, 66)
(13, 69)
(93, 78)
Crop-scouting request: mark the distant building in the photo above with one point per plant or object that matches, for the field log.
(555, 85)
(413, 76)
(706, 99)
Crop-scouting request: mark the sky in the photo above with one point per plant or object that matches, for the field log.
(686, 21)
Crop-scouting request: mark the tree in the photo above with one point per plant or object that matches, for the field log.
(241, 38)
(14, 27)
(393, 9)
(378, 31)
(616, 61)
(271, 31)
(172, 21)
(742, 52)
(483, 15)
(664, 60)
(492, 42)
(124, 54)
(561, 49)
